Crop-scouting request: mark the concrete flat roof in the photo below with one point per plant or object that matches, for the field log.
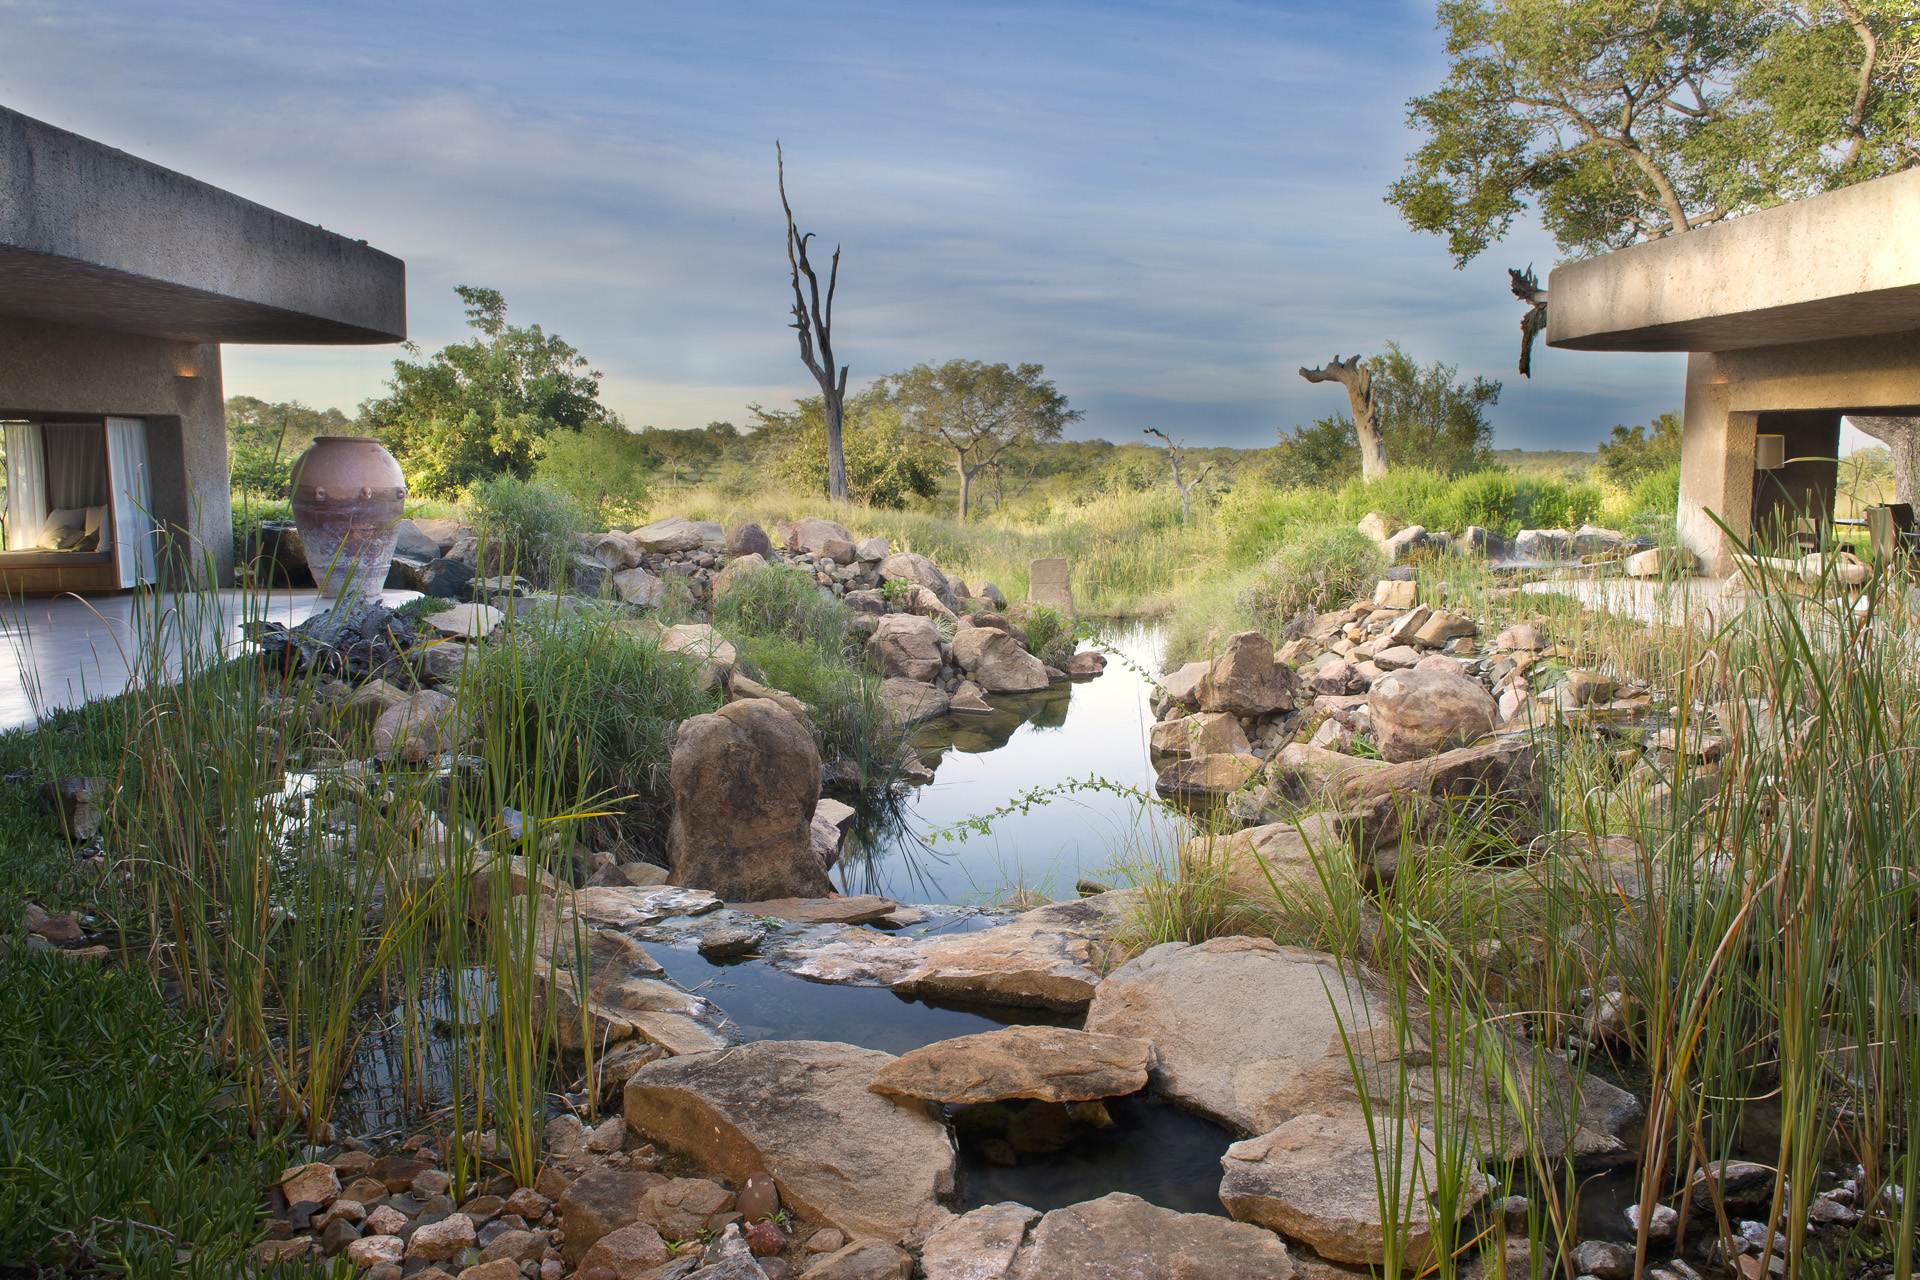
(1845, 264)
(93, 236)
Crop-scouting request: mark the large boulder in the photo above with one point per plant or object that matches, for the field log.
(1182, 684)
(1053, 1064)
(638, 587)
(1418, 713)
(905, 565)
(1543, 545)
(1247, 680)
(996, 662)
(1495, 788)
(818, 536)
(1122, 1237)
(906, 645)
(749, 539)
(1285, 863)
(1206, 778)
(911, 700)
(1210, 733)
(614, 549)
(674, 533)
(736, 569)
(745, 782)
(801, 1110)
(1317, 1179)
(1409, 544)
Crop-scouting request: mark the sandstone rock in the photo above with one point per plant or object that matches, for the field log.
(1207, 777)
(627, 992)
(467, 621)
(600, 1202)
(1390, 593)
(911, 700)
(1418, 713)
(1402, 629)
(1408, 544)
(502, 1269)
(318, 1183)
(736, 569)
(863, 1260)
(1246, 680)
(1377, 526)
(1583, 687)
(1481, 542)
(1544, 545)
(801, 1110)
(1496, 785)
(1314, 1179)
(369, 702)
(1336, 679)
(427, 724)
(613, 549)
(1592, 540)
(872, 550)
(1397, 657)
(1332, 735)
(1053, 1064)
(638, 587)
(700, 643)
(1288, 859)
(1441, 662)
(1661, 561)
(916, 568)
(826, 1240)
(1444, 626)
(1206, 734)
(861, 909)
(969, 696)
(746, 779)
(996, 662)
(1086, 663)
(674, 533)
(821, 537)
(922, 602)
(440, 1241)
(687, 1208)
(749, 539)
(1044, 959)
(906, 646)
(980, 1244)
(1183, 684)
(725, 941)
(741, 687)
(1522, 637)
(376, 1251)
(1122, 1237)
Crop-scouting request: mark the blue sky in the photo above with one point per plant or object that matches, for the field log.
(1171, 207)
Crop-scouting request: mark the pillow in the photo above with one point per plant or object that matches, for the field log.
(96, 520)
(63, 529)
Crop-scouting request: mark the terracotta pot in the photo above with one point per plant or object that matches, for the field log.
(347, 498)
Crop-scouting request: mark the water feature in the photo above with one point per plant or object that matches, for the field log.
(1069, 732)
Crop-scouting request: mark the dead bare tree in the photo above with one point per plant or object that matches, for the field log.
(1173, 456)
(1354, 375)
(816, 331)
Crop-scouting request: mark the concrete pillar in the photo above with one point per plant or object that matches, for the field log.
(1047, 584)
(1716, 467)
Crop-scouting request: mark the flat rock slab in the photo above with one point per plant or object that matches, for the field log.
(980, 1244)
(1052, 1064)
(627, 995)
(801, 1110)
(912, 700)
(1045, 959)
(863, 909)
(470, 621)
(633, 906)
(1122, 1237)
(1317, 1179)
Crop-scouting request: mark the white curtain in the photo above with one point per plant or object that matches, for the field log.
(26, 484)
(134, 531)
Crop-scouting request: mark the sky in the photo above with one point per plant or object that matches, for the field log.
(1171, 207)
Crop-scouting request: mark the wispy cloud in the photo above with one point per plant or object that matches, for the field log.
(1170, 206)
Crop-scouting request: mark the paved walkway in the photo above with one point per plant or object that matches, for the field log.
(1704, 602)
(61, 651)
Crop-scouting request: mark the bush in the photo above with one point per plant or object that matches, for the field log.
(536, 526)
(1318, 568)
(603, 467)
(776, 600)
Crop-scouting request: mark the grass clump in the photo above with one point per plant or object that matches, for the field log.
(1318, 567)
(534, 527)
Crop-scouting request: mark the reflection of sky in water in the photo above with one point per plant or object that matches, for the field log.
(1096, 728)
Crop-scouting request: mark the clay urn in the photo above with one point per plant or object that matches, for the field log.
(347, 498)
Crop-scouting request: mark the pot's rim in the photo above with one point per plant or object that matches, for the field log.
(345, 440)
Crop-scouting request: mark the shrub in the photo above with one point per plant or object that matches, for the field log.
(1317, 567)
(849, 719)
(603, 467)
(536, 526)
(776, 600)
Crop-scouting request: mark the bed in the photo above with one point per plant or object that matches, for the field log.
(78, 505)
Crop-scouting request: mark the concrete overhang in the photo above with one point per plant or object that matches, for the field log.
(1841, 265)
(95, 237)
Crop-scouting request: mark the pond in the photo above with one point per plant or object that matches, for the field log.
(1070, 732)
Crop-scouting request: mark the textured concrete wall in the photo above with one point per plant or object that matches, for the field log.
(1844, 264)
(93, 236)
(57, 370)
(1728, 394)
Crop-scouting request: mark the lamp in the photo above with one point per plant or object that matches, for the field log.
(1769, 453)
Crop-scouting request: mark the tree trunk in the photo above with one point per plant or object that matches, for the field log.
(1358, 380)
(1902, 435)
(966, 485)
(836, 456)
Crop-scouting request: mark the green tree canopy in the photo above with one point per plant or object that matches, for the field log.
(263, 440)
(1633, 452)
(885, 467)
(1623, 120)
(1428, 418)
(481, 408)
(977, 411)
